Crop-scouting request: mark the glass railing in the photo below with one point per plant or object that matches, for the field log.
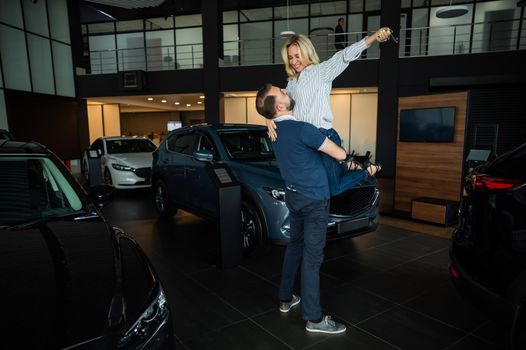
(413, 42)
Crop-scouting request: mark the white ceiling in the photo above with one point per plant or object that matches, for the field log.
(142, 104)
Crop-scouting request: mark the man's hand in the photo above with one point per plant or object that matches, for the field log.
(271, 126)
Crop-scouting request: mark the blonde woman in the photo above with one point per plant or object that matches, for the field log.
(310, 84)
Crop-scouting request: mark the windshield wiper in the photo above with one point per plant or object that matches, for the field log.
(45, 219)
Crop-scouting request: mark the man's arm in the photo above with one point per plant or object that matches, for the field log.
(330, 148)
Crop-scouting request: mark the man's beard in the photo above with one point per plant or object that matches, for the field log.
(292, 104)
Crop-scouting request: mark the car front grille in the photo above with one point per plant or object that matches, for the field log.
(352, 201)
(143, 172)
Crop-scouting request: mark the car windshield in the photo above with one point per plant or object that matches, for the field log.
(247, 144)
(130, 146)
(33, 188)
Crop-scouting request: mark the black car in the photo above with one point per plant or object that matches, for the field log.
(69, 280)
(488, 251)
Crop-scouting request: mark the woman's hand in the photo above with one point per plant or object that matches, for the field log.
(271, 126)
(383, 34)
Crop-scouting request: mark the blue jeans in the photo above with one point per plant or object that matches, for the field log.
(308, 226)
(340, 178)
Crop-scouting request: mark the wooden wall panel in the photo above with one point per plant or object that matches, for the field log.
(430, 169)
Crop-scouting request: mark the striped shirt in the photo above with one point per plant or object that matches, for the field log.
(312, 88)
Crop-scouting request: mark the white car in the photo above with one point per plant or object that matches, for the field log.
(126, 162)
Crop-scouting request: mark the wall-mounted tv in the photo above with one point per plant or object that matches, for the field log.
(427, 124)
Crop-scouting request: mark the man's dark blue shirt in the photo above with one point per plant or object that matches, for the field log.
(300, 164)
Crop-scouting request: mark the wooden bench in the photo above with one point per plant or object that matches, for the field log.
(438, 211)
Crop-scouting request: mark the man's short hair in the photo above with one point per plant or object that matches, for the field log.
(266, 105)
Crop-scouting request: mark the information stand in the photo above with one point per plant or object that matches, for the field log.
(94, 169)
(229, 202)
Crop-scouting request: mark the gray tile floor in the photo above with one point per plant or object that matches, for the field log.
(390, 287)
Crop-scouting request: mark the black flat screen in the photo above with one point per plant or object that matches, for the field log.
(427, 124)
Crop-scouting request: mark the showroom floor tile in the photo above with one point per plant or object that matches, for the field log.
(390, 287)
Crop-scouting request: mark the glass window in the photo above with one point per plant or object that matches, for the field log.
(130, 26)
(355, 28)
(130, 146)
(63, 65)
(84, 29)
(418, 45)
(205, 144)
(420, 3)
(181, 143)
(256, 43)
(40, 64)
(328, 8)
(355, 5)
(58, 20)
(247, 144)
(35, 17)
(130, 51)
(299, 26)
(11, 13)
(372, 5)
(100, 28)
(14, 59)
(189, 47)
(294, 11)
(229, 17)
(188, 21)
(406, 4)
(160, 50)
(34, 188)
(250, 15)
(159, 23)
(231, 44)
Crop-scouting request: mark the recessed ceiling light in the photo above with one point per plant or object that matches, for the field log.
(163, 101)
(177, 103)
(188, 105)
(199, 102)
(150, 98)
(201, 96)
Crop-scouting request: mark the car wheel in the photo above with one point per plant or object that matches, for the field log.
(160, 197)
(251, 228)
(107, 177)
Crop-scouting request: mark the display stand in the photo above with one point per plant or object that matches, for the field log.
(94, 168)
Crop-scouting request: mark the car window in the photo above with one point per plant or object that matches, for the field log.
(247, 144)
(130, 146)
(204, 143)
(34, 188)
(511, 166)
(181, 143)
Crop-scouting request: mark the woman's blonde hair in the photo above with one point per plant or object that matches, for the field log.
(305, 48)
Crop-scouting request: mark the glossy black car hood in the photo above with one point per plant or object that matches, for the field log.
(58, 280)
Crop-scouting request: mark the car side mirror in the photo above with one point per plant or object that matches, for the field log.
(100, 194)
(204, 155)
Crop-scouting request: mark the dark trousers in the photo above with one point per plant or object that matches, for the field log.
(308, 227)
(340, 178)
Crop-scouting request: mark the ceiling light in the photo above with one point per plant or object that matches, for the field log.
(201, 96)
(163, 101)
(150, 98)
(287, 33)
(199, 102)
(178, 103)
(452, 11)
(188, 105)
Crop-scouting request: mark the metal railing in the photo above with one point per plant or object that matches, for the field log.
(413, 42)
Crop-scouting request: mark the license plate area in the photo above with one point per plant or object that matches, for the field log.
(357, 224)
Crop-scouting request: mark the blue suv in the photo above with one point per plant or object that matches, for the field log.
(180, 180)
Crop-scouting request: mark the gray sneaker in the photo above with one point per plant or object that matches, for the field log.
(326, 325)
(285, 307)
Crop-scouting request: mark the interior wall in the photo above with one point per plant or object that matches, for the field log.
(253, 117)
(430, 169)
(144, 123)
(236, 110)
(96, 128)
(340, 106)
(364, 113)
(112, 119)
(192, 117)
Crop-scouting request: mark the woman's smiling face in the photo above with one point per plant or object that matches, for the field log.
(296, 59)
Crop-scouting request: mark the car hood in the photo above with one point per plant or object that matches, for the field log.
(59, 279)
(135, 160)
(245, 170)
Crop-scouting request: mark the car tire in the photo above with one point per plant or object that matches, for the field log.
(164, 207)
(107, 177)
(251, 228)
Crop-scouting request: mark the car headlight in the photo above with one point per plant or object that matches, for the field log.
(276, 193)
(122, 167)
(148, 323)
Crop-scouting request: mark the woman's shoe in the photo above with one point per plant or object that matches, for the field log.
(374, 169)
(352, 165)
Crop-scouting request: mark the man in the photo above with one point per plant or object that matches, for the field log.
(340, 39)
(307, 197)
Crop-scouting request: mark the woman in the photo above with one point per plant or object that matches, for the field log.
(310, 84)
